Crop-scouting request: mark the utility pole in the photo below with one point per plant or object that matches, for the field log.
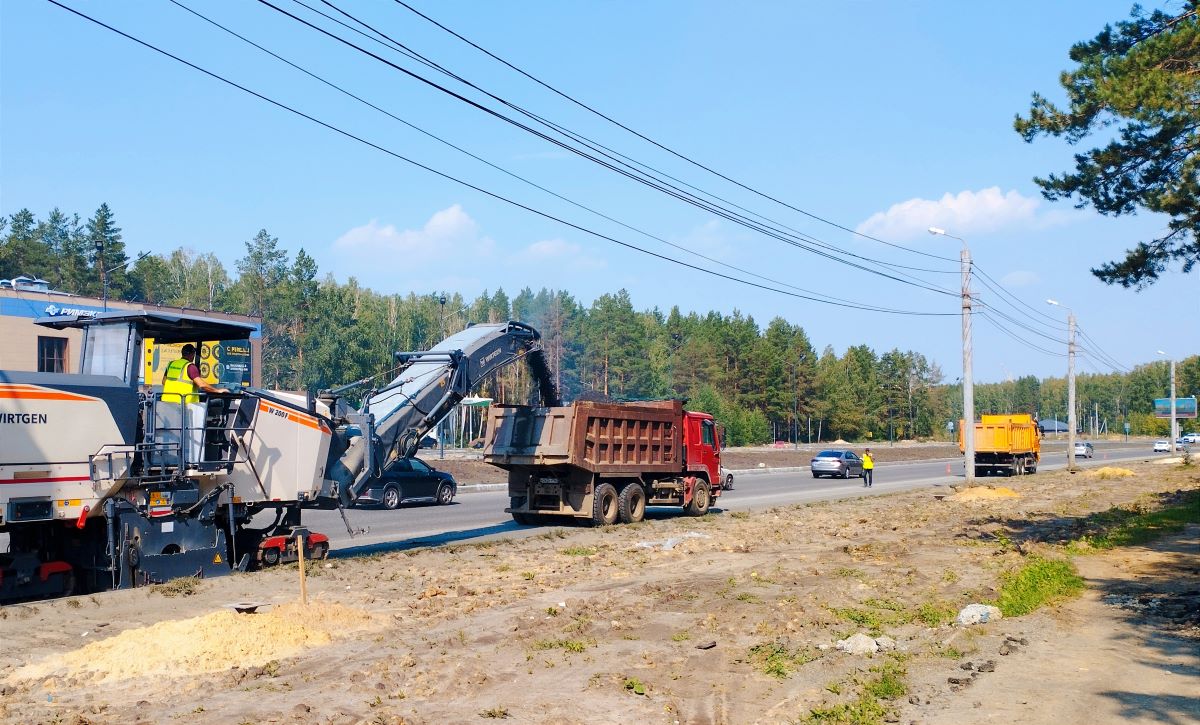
(968, 429)
(1070, 390)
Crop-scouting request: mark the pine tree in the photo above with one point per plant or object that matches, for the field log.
(107, 255)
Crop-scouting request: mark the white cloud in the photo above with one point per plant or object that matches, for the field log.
(1020, 278)
(562, 254)
(551, 248)
(450, 230)
(968, 212)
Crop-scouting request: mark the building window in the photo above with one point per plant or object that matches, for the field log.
(52, 354)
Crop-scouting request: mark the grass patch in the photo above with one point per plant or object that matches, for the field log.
(776, 660)
(848, 572)
(182, 587)
(740, 514)
(935, 614)
(567, 645)
(635, 686)
(889, 682)
(495, 713)
(1130, 527)
(681, 636)
(1039, 582)
(748, 597)
(863, 711)
(580, 550)
(862, 617)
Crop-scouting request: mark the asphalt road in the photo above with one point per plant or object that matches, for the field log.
(479, 515)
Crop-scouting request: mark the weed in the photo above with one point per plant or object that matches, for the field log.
(950, 576)
(887, 604)
(73, 604)
(552, 611)
(864, 711)
(568, 645)
(740, 514)
(862, 617)
(776, 660)
(635, 686)
(848, 572)
(528, 576)
(935, 614)
(495, 713)
(748, 597)
(834, 687)
(952, 653)
(580, 550)
(889, 684)
(1039, 581)
(271, 669)
(681, 636)
(503, 568)
(181, 587)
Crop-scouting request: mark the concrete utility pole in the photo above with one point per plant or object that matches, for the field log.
(1070, 384)
(968, 430)
(1174, 430)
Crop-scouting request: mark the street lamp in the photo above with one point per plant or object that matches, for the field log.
(968, 428)
(1070, 382)
(1174, 432)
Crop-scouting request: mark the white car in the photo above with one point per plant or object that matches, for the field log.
(1165, 446)
(1084, 450)
(1191, 438)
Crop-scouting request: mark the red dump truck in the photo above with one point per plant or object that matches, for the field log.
(1008, 444)
(605, 461)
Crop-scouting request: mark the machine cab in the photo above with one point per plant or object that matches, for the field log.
(702, 438)
(172, 433)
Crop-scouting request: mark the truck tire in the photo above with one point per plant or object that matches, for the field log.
(701, 500)
(521, 518)
(631, 504)
(605, 505)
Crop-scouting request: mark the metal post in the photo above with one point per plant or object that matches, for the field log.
(796, 405)
(968, 386)
(1070, 390)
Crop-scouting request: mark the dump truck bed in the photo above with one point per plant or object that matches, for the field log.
(1005, 434)
(603, 438)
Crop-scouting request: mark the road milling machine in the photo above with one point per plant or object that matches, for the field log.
(104, 484)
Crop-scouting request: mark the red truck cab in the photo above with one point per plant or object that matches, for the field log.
(702, 446)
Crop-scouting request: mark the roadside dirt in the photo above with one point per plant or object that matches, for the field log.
(730, 619)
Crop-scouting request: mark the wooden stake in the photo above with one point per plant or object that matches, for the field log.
(303, 581)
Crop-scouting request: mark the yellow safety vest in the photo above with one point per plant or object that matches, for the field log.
(177, 385)
(868, 462)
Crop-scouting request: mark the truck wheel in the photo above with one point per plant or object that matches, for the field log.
(605, 507)
(729, 482)
(700, 500)
(631, 504)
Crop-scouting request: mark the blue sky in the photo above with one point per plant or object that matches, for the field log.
(883, 117)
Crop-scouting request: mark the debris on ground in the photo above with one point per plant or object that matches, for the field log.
(978, 614)
(671, 543)
(1109, 472)
(984, 493)
(858, 644)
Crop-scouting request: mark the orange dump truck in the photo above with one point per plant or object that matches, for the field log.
(1008, 444)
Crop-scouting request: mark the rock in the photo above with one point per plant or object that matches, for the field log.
(1007, 649)
(978, 614)
(1017, 640)
(914, 699)
(966, 666)
(859, 644)
(959, 680)
(989, 666)
(301, 709)
(885, 643)
(707, 645)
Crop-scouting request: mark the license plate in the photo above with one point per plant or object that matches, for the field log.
(547, 489)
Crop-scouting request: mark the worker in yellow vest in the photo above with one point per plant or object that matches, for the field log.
(868, 468)
(182, 381)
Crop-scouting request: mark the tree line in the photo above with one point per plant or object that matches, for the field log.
(764, 383)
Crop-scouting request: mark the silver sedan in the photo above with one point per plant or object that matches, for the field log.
(837, 464)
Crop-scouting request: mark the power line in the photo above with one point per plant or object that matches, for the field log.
(1019, 323)
(1001, 295)
(1112, 360)
(662, 146)
(497, 167)
(1021, 302)
(466, 184)
(634, 175)
(995, 323)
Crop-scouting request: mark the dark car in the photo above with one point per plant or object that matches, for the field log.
(406, 479)
(837, 464)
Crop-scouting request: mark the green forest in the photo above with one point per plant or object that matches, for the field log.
(764, 383)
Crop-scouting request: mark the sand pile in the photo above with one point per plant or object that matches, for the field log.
(1110, 472)
(210, 643)
(984, 493)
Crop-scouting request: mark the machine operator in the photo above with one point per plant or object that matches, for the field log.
(182, 380)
